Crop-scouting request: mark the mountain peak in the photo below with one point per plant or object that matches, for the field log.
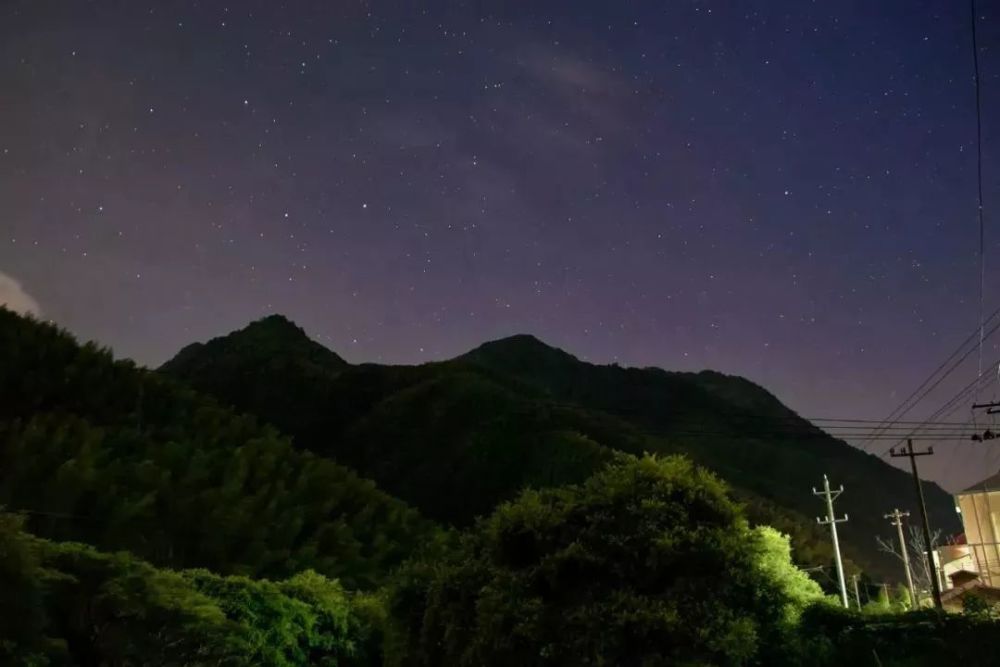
(269, 340)
(519, 350)
(276, 324)
(523, 340)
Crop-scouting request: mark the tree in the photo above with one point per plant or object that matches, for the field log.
(70, 604)
(919, 568)
(22, 614)
(774, 561)
(113, 609)
(648, 562)
(881, 604)
(112, 455)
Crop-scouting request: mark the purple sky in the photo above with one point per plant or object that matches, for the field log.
(783, 190)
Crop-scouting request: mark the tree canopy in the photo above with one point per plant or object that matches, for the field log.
(103, 452)
(67, 603)
(646, 563)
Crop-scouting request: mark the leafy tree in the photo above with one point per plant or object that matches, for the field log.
(774, 561)
(307, 619)
(901, 600)
(22, 614)
(880, 605)
(648, 562)
(70, 604)
(113, 609)
(119, 457)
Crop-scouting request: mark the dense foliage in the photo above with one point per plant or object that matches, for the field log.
(646, 563)
(106, 453)
(518, 413)
(830, 636)
(66, 603)
(158, 528)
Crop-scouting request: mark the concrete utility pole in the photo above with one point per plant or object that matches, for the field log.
(857, 595)
(896, 519)
(832, 521)
(931, 568)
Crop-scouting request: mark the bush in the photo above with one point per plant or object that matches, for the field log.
(69, 604)
(646, 563)
(831, 636)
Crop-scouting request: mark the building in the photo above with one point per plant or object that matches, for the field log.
(973, 565)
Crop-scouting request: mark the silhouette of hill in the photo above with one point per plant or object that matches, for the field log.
(455, 438)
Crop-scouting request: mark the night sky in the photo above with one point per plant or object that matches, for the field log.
(784, 190)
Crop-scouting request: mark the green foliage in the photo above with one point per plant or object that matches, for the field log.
(428, 434)
(643, 562)
(22, 617)
(467, 437)
(305, 620)
(901, 601)
(830, 636)
(75, 605)
(109, 454)
(880, 605)
(517, 413)
(115, 609)
(978, 606)
(646, 563)
(774, 561)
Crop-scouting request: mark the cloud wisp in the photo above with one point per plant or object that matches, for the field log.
(14, 297)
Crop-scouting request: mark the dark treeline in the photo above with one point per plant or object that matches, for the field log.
(106, 453)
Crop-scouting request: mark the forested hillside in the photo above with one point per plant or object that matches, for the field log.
(455, 438)
(142, 522)
(104, 452)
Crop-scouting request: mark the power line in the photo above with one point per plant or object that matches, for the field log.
(829, 422)
(950, 405)
(906, 405)
(734, 433)
(875, 421)
(979, 180)
(929, 426)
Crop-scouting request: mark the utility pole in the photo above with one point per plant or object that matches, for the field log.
(857, 595)
(832, 521)
(896, 519)
(932, 570)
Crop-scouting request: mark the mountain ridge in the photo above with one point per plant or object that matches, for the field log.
(518, 412)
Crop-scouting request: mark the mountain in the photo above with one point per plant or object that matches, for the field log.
(455, 438)
(103, 452)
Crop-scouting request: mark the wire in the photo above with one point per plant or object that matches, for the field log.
(950, 370)
(901, 423)
(979, 178)
(741, 433)
(976, 386)
(835, 422)
(946, 409)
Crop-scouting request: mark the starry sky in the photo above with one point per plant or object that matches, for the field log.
(784, 190)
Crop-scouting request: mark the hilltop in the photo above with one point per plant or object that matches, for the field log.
(457, 437)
